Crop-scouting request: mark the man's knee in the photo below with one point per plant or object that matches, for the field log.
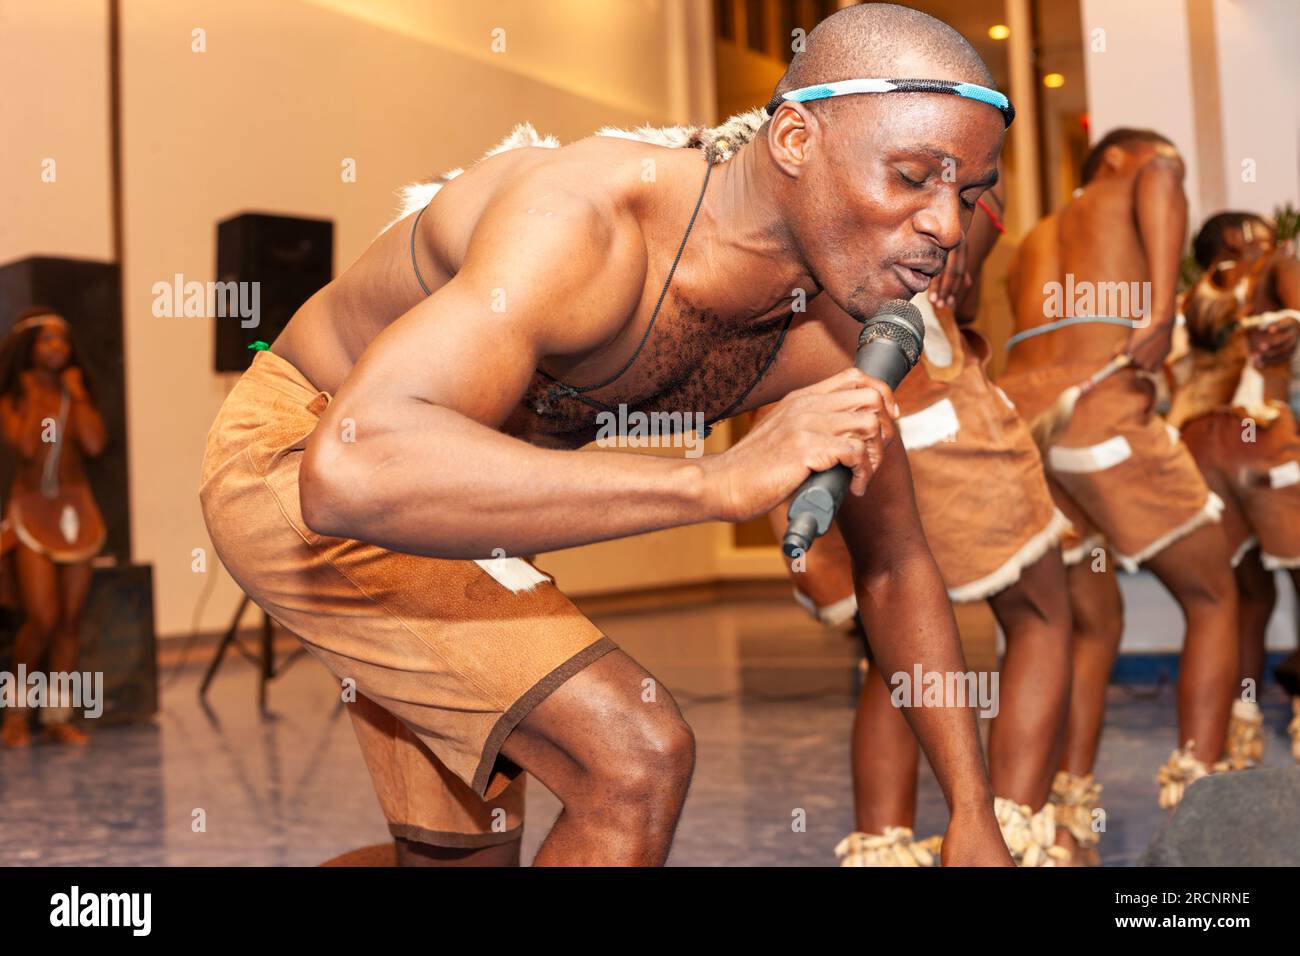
(656, 759)
(1039, 598)
(1096, 608)
(1211, 589)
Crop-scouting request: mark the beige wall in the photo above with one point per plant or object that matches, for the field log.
(1259, 73)
(1144, 75)
(54, 105)
(263, 120)
(1254, 74)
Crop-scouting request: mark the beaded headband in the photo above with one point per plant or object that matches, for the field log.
(970, 91)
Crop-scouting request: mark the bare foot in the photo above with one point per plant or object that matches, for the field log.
(65, 733)
(15, 732)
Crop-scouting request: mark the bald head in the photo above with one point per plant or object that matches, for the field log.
(875, 189)
(887, 41)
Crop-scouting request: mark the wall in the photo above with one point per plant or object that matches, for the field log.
(1245, 90)
(1259, 74)
(1144, 75)
(54, 104)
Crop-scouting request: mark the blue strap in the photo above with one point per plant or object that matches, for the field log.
(1062, 323)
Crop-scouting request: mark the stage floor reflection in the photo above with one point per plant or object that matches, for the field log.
(769, 695)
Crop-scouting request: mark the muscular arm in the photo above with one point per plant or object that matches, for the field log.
(427, 470)
(1161, 210)
(908, 619)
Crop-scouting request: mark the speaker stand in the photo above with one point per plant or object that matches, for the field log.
(264, 659)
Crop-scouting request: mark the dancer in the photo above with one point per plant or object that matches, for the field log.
(417, 419)
(50, 424)
(994, 531)
(1230, 392)
(1090, 283)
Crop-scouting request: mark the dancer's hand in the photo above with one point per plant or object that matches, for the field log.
(974, 839)
(953, 282)
(1273, 344)
(74, 382)
(842, 420)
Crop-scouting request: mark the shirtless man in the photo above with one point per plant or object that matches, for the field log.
(990, 520)
(1091, 282)
(1230, 398)
(417, 418)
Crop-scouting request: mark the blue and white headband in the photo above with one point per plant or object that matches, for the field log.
(970, 91)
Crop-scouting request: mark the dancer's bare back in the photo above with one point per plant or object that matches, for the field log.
(1104, 241)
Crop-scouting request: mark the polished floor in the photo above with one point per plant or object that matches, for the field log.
(770, 697)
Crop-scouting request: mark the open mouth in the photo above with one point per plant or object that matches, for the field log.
(913, 279)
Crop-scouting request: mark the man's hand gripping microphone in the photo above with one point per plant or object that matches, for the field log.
(890, 344)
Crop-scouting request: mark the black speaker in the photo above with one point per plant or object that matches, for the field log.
(288, 258)
(89, 295)
(117, 638)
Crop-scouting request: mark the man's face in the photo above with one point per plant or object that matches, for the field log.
(888, 189)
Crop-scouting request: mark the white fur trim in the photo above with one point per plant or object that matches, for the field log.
(1245, 709)
(1244, 550)
(832, 615)
(1005, 397)
(1283, 476)
(937, 348)
(1097, 457)
(1007, 575)
(513, 574)
(1250, 390)
(720, 141)
(1272, 562)
(415, 196)
(1212, 512)
(929, 426)
(1072, 556)
(672, 137)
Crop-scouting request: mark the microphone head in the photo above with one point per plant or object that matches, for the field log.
(901, 323)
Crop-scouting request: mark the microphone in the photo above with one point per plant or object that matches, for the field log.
(890, 344)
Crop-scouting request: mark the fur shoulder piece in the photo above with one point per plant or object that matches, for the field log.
(720, 143)
(415, 196)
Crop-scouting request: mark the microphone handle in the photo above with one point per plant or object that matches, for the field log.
(819, 497)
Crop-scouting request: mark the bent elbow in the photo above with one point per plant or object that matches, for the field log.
(323, 496)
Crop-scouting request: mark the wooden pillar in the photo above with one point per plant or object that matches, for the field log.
(1026, 200)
